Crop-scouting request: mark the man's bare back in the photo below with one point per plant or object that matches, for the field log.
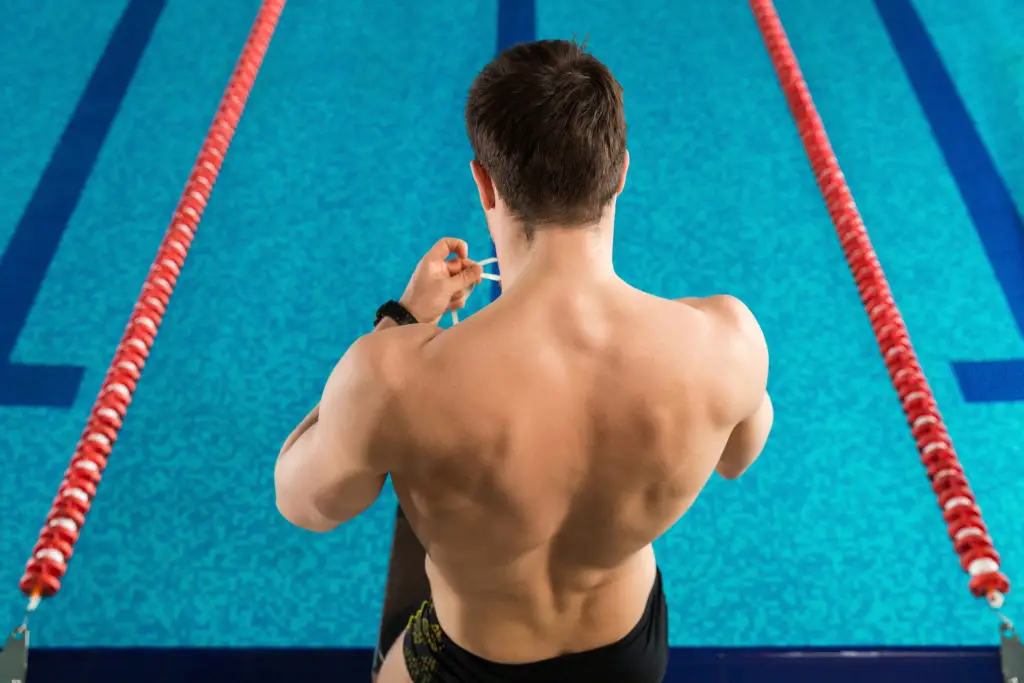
(541, 446)
(586, 419)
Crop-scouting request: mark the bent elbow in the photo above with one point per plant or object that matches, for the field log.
(725, 471)
(747, 441)
(299, 510)
(303, 519)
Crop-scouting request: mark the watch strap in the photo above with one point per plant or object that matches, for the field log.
(397, 312)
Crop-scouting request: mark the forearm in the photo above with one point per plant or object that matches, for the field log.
(747, 441)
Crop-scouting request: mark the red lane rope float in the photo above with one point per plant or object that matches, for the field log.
(63, 525)
(960, 510)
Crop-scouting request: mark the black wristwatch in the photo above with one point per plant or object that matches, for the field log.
(397, 312)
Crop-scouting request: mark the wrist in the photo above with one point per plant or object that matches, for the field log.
(393, 313)
(416, 311)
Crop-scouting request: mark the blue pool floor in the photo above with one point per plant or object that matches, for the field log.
(351, 159)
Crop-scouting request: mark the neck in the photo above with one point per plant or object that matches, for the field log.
(560, 251)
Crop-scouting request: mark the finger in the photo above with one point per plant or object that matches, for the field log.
(470, 275)
(459, 298)
(457, 265)
(458, 301)
(447, 246)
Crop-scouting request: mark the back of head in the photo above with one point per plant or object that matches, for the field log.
(546, 121)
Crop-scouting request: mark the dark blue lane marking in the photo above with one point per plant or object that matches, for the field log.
(37, 236)
(989, 202)
(689, 665)
(517, 23)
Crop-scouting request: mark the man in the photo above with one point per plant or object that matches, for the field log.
(541, 446)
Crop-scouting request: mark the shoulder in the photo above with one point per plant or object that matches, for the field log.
(383, 359)
(362, 402)
(731, 323)
(736, 349)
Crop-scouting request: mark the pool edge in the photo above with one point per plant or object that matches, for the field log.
(718, 665)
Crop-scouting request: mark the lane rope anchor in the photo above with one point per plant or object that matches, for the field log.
(14, 656)
(1011, 652)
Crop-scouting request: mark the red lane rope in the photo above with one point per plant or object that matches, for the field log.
(50, 556)
(960, 510)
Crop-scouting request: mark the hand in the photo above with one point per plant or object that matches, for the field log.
(441, 284)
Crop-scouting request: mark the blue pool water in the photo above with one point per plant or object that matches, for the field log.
(351, 160)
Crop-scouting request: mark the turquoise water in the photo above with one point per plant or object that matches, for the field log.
(351, 160)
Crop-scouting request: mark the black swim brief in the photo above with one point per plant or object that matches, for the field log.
(640, 657)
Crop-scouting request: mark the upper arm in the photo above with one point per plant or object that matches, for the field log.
(329, 469)
(334, 468)
(353, 413)
(737, 382)
(360, 420)
(739, 357)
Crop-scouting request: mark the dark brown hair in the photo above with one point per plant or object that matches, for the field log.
(546, 121)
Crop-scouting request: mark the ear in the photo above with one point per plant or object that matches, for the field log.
(483, 185)
(625, 169)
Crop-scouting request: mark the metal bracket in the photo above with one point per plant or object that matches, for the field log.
(1011, 655)
(14, 657)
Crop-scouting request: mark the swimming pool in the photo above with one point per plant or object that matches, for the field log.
(351, 158)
